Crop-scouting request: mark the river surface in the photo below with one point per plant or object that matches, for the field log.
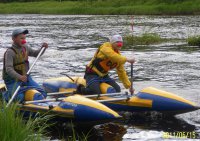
(173, 66)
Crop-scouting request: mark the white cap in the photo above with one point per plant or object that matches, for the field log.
(116, 38)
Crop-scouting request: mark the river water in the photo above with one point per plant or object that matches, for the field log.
(173, 66)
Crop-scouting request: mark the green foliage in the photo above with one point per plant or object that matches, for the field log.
(145, 39)
(14, 128)
(194, 41)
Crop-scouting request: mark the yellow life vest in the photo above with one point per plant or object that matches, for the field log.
(105, 59)
(102, 64)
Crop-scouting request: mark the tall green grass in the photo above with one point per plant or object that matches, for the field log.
(106, 7)
(14, 128)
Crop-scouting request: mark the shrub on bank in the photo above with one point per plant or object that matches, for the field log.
(145, 39)
(194, 41)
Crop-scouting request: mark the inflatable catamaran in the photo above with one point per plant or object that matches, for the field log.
(148, 99)
(76, 108)
(83, 108)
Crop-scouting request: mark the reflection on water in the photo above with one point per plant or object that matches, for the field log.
(171, 66)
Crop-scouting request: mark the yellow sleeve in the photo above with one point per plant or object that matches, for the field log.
(123, 76)
(112, 55)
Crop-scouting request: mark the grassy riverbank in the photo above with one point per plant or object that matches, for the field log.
(104, 7)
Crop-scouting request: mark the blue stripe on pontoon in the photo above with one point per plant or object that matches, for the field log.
(86, 113)
(163, 104)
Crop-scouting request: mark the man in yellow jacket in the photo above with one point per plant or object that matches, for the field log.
(107, 57)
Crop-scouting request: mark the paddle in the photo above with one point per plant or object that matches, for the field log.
(16, 91)
(131, 78)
